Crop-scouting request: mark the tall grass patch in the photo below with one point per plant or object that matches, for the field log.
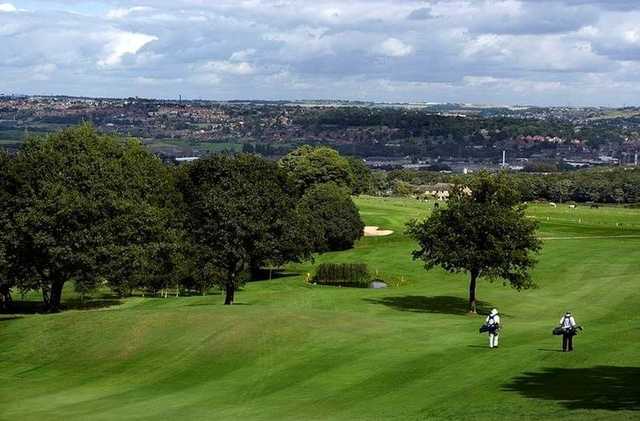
(355, 275)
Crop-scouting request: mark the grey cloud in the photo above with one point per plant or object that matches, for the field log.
(423, 13)
(534, 18)
(471, 50)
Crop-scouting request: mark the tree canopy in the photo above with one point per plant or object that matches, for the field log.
(241, 212)
(309, 166)
(5, 285)
(482, 231)
(332, 216)
(78, 202)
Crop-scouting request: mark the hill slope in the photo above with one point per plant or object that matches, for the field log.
(295, 351)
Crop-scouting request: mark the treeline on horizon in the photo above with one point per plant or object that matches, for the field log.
(598, 185)
(102, 211)
(401, 132)
(420, 124)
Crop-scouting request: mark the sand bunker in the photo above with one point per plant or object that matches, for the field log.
(375, 232)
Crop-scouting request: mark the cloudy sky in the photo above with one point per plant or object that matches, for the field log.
(562, 52)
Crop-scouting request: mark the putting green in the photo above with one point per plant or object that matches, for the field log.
(301, 352)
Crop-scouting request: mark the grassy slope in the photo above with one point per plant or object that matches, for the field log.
(301, 352)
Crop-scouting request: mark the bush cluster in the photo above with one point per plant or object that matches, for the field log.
(354, 275)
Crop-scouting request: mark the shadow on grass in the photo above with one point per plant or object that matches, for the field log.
(603, 387)
(9, 318)
(35, 307)
(215, 304)
(438, 304)
(265, 276)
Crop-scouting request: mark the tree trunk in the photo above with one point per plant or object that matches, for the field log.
(55, 297)
(472, 291)
(46, 296)
(230, 290)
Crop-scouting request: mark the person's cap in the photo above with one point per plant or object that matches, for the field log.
(494, 311)
(567, 313)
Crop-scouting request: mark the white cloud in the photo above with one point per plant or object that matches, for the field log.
(242, 68)
(393, 47)
(7, 8)
(242, 55)
(120, 43)
(143, 80)
(122, 13)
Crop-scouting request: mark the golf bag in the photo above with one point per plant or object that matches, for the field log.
(559, 331)
(489, 328)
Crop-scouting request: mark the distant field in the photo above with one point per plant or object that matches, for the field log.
(295, 351)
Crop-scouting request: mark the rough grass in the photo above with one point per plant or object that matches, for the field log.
(294, 351)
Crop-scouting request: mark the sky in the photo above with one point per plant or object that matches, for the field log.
(533, 52)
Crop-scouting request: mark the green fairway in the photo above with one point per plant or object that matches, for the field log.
(295, 351)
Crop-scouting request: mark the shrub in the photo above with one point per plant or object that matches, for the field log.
(344, 274)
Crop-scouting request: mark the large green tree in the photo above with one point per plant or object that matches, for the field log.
(362, 177)
(79, 204)
(310, 165)
(483, 232)
(332, 217)
(5, 285)
(241, 212)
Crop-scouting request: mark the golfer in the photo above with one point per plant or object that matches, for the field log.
(568, 326)
(493, 323)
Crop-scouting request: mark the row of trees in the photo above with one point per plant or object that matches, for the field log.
(618, 185)
(93, 209)
(600, 185)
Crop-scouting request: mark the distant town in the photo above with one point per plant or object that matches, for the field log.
(441, 137)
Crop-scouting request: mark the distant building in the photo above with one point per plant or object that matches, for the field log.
(185, 159)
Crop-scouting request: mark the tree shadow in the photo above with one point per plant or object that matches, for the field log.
(8, 319)
(264, 275)
(437, 304)
(37, 307)
(603, 387)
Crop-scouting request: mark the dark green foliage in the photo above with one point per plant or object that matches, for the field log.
(363, 182)
(332, 218)
(601, 185)
(606, 185)
(80, 204)
(309, 166)
(484, 233)
(343, 274)
(5, 282)
(241, 212)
